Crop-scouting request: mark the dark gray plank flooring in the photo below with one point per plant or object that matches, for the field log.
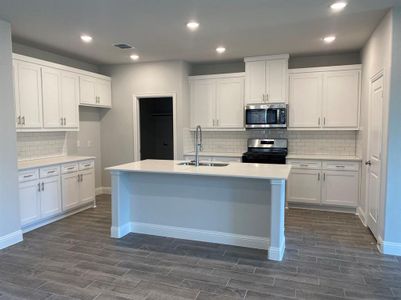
(328, 256)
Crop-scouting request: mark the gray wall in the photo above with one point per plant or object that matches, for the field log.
(9, 203)
(392, 225)
(307, 61)
(53, 57)
(117, 138)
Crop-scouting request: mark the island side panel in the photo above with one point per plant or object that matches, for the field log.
(216, 209)
(120, 204)
(277, 214)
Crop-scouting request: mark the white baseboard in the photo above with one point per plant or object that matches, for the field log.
(199, 235)
(330, 208)
(119, 232)
(11, 239)
(389, 248)
(103, 190)
(361, 215)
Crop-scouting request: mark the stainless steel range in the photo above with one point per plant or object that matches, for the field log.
(266, 151)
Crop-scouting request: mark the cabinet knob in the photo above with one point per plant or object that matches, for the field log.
(368, 163)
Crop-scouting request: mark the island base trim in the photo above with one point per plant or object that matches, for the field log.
(275, 253)
(248, 241)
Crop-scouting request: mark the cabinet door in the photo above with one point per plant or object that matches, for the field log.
(87, 186)
(341, 99)
(230, 103)
(203, 103)
(305, 100)
(87, 90)
(70, 191)
(70, 99)
(340, 188)
(16, 95)
(255, 81)
(276, 80)
(50, 196)
(29, 201)
(51, 92)
(103, 92)
(30, 94)
(304, 186)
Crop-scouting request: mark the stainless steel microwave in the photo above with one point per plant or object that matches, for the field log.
(259, 116)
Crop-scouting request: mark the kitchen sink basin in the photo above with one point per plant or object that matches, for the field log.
(203, 164)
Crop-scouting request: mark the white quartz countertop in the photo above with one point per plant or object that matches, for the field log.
(222, 154)
(43, 162)
(234, 169)
(323, 157)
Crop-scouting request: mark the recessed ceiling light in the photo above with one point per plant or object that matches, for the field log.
(134, 56)
(220, 49)
(338, 6)
(192, 25)
(86, 38)
(329, 39)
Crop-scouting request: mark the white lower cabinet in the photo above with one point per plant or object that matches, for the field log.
(324, 183)
(29, 201)
(44, 193)
(304, 186)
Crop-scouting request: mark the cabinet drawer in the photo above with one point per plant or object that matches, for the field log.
(28, 175)
(49, 171)
(341, 165)
(69, 168)
(84, 165)
(305, 164)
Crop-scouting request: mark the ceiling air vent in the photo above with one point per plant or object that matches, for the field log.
(123, 46)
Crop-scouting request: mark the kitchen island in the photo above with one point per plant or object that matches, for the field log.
(238, 204)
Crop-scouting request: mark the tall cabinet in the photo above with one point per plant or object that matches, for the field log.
(266, 79)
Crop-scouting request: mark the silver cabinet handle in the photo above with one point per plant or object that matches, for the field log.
(23, 120)
(27, 176)
(43, 186)
(318, 122)
(304, 165)
(340, 166)
(217, 122)
(51, 172)
(70, 168)
(324, 176)
(324, 121)
(78, 177)
(65, 121)
(267, 97)
(318, 176)
(39, 187)
(19, 120)
(61, 121)
(87, 165)
(82, 177)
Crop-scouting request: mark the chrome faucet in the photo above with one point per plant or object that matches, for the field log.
(198, 144)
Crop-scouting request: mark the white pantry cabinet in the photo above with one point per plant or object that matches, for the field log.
(60, 98)
(217, 101)
(266, 79)
(330, 183)
(325, 98)
(28, 95)
(94, 91)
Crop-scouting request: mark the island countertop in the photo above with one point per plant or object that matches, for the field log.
(234, 169)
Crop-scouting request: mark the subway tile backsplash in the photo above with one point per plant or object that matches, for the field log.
(33, 145)
(299, 142)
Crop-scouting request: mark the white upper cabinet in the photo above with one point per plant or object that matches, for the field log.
(60, 99)
(95, 91)
(266, 79)
(28, 95)
(325, 98)
(305, 100)
(217, 101)
(341, 99)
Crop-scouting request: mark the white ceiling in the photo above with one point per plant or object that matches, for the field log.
(157, 27)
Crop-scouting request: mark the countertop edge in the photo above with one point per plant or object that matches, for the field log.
(62, 160)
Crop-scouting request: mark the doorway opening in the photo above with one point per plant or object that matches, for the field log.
(156, 128)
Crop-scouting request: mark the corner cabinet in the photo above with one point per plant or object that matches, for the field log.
(325, 98)
(327, 183)
(217, 101)
(266, 79)
(47, 95)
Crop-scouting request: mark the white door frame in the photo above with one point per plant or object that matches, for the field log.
(136, 120)
(373, 79)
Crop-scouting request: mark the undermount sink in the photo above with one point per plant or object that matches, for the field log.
(203, 164)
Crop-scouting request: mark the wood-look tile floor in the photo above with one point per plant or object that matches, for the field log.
(328, 256)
